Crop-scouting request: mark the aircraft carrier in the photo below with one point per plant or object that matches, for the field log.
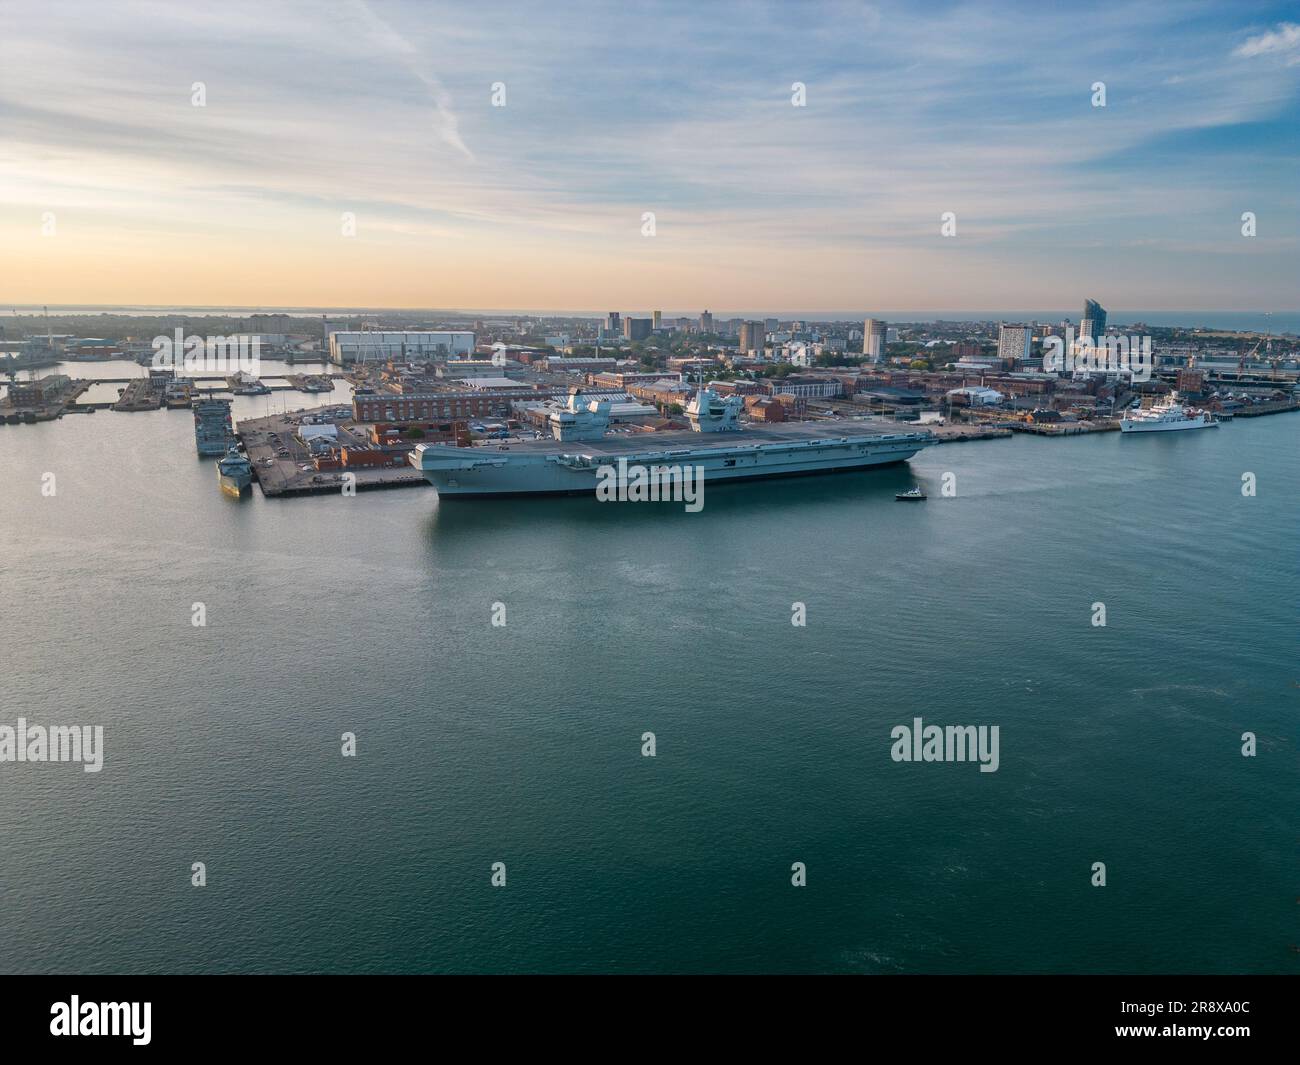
(717, 445)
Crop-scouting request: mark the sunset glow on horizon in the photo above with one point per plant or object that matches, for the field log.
(489, 170)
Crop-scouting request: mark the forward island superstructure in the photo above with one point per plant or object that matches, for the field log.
(718, 445)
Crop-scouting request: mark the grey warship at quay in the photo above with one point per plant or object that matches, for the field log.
(716, 444)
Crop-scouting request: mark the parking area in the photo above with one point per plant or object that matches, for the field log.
(282, 463)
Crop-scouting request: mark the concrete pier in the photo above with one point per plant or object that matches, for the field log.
(292, 473)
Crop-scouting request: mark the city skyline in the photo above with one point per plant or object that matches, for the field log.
(386, 111)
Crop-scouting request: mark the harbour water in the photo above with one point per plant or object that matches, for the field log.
(522, 743)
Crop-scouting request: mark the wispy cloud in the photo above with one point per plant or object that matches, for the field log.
(1285, 40)
(384, 110)
(446, 123)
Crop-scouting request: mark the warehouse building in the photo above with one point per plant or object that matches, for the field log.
(347, 347)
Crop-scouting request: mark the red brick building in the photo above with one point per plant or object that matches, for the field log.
(426, 407)
(739, 387)
(765, 409)
(385, 435)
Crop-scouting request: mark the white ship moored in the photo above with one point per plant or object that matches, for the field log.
(1168, 414)
(718, 444)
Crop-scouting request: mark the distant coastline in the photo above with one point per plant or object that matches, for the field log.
(1276, 322)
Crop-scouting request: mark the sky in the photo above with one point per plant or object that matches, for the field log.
(115, 188)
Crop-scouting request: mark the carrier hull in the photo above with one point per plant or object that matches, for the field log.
(574, 468)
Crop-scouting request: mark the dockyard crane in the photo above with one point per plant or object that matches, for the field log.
(1241, 359)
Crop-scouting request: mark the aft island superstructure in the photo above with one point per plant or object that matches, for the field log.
(718, 445)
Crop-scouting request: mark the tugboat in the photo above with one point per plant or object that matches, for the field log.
(234, 473)
(910, 495)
